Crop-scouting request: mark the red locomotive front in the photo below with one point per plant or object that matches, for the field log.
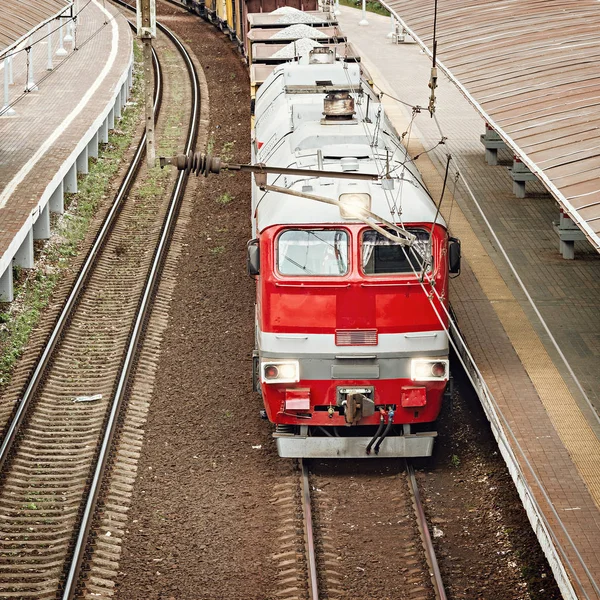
(352, 275)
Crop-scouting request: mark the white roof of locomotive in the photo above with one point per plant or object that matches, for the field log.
(289, 131)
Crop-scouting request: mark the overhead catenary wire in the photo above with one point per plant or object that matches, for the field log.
(458, 343)
(25, 48)
(434, 293)
(65, 60)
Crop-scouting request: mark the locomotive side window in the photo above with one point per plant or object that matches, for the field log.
(381, 256)
(317, 252)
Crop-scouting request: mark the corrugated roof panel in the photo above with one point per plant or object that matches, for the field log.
(18, 17)
(530, 68)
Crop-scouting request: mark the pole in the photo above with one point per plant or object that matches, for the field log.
(61, 47)
(49, 66)
(363, 22)
(390, 35)
(150, 148)
(146, 24)
(6, 110)
(30, 87)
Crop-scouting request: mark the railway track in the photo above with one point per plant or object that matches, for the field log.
(56, 446)
(320, 569)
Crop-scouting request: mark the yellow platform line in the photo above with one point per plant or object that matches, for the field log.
(571, 425)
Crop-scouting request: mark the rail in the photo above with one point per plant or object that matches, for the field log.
(436, 577)
(312, 577)
(16, 425)
(137, 331)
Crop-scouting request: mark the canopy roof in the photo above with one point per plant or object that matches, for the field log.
(19, 18)
(530, 68)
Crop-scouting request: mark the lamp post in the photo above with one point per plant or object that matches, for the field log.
(363, 22)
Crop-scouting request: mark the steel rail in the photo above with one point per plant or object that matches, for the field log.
(436, 577)
(313, 584)
(12, 430)
(70, 586)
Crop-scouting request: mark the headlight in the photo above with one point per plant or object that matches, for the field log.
(429, 369)
(351, 205)
(280, 371)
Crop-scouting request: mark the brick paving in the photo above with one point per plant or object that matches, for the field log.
(42, 114)
(529, 382)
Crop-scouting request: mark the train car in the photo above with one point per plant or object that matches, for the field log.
(351, 353)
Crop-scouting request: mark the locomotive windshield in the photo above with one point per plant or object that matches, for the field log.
(382, 256)
(313, 252)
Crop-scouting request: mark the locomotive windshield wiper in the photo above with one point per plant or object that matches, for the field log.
(297, 264)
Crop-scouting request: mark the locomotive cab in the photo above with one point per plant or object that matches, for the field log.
(351, 351)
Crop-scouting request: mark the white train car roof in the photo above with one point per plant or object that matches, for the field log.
(291, 131)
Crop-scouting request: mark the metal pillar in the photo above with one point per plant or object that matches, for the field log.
(41, 228)
(117, 106)
(57, 200)
(363, 22)
(10, 68)
(6, 285)
(24, 256)
(70, 180)
(69, 34)
(103, 132)
(146, 31)
(61, 47)
(30, 87)
(82, 162)
(49, 66)
(124, 95)
(92, 147)
(111, 119)
(390, 35)
(6, 110)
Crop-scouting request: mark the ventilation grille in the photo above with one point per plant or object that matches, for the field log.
(356, 337)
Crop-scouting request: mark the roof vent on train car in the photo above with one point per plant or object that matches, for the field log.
(321, 55)
(339, 106)
(349, 163)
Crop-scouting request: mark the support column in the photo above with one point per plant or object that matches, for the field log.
(57, 200)
(519, 189)
(103, 132)
(390, 35)
(41, 228)
(6, 285)
(111, 119)
(567, 249)
(70, 180)
(30, 87)
(92, 147)
(6, 110)
(69, 35)
(61, 47)
(363, 22)
(10, 66)
(24, 256)
(82, 162)
(123, 95)
(117, 107)
(49, 65)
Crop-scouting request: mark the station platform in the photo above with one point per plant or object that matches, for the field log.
(530, 319)
(48, 134)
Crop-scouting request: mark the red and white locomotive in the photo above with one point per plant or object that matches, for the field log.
(351, 351)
